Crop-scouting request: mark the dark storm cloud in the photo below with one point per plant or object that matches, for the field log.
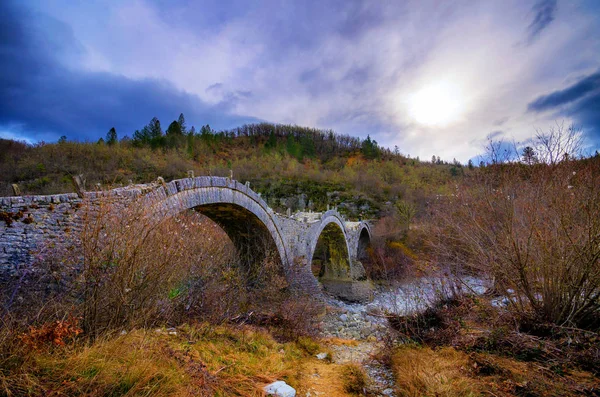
(568, 95)
(47, 99)
(544, 11)
(587, 113)
(581, 101)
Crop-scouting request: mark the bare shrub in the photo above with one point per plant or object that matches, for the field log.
(389, 257)
(535, 231)
(129, 264)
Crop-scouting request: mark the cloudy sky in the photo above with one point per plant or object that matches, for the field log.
(433, 77)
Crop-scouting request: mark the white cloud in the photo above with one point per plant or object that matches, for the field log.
(357, 83)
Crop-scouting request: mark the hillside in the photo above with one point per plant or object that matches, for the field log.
(292, 167)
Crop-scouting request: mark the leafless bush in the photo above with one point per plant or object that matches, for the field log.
(535, 230)
(389, 257)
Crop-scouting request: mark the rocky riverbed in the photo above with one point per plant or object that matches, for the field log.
(366, 323)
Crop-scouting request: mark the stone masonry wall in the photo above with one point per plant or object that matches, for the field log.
(27, 223)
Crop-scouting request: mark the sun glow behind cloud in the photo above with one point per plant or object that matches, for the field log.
(437, 104)
(430, 77)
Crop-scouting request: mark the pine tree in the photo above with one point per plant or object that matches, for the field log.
(111, 136)
(155, 133)
(293, 148)
(174, 136)
(272, 141)
(181, 122)
(370, 149)
(191, 138)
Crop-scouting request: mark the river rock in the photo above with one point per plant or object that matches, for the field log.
(280, 389)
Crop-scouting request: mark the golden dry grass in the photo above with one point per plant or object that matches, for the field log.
(425, 372)
(197, 360)
(446, 372)
(320, 378)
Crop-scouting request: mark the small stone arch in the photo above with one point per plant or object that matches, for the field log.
(330, 257)
(364, 242)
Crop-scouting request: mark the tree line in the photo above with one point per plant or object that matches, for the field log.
(299, 142)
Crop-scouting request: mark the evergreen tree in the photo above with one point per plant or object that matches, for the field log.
(181, 122)
(206, 134)
(308, 146)
(293, 148)
(174, 136)
(191, 137)
(272, 141)
(155, 133)
(141, 138)
(111, 136)
(370, 149)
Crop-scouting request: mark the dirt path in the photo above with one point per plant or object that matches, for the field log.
(352, 336)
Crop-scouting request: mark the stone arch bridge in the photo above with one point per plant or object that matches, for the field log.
(318, 251)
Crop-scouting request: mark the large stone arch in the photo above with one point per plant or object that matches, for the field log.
(241, 213)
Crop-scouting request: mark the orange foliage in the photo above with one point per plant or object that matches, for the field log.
(56, 332)
(355, 159)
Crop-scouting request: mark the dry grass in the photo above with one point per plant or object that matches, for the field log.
(475, 349)
(425, 372)
(355, 378)
(199, 360)
(341, 342)
(447, 372)
(192, 360)
(321, 378)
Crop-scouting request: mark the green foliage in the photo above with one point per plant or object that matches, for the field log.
(151, 135)
(272, 141)
(111, 137)
(174, 136)
(293, 148)
(370, 149)
(181, 123)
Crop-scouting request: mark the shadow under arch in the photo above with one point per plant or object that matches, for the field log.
(245, 219)
(364, 242)
(250, 236)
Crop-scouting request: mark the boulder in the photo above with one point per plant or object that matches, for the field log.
(280, 389)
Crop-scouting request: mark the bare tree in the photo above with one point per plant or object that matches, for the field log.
(558, 143)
